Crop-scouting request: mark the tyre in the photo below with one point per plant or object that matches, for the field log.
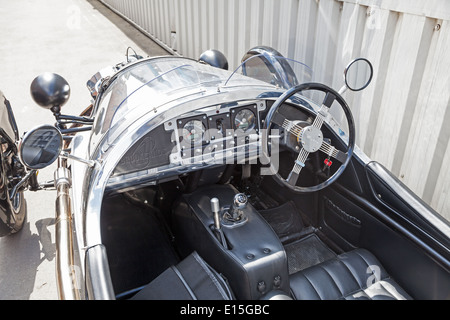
(12, 214)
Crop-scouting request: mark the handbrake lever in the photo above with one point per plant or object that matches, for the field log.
(215, 208)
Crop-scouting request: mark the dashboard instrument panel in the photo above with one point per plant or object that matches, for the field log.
(196, 139)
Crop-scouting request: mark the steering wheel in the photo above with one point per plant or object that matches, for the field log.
(310, 138)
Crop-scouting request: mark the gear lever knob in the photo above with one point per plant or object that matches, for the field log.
(240, 201)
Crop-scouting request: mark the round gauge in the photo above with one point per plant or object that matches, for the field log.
(193, 131)
(245, 120)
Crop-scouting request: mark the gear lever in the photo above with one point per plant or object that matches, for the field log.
(235, 214)
(239, 203)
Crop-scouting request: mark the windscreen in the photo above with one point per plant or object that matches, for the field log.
(274, 70)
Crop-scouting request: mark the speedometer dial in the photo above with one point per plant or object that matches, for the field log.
(193, 131)
(245, 120)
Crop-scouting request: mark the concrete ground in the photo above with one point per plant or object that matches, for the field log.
(74, 38)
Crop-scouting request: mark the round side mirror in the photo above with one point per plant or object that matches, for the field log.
(40, 147)
(50, 90)
(358, 74)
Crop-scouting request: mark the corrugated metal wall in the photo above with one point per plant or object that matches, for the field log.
(402, 117)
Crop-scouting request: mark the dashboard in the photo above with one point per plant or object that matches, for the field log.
(214, 135)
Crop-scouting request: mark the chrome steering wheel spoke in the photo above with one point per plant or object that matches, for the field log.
(292, 128)
(298, 166)
(331, 151)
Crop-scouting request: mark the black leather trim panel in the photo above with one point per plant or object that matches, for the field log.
(408, 209)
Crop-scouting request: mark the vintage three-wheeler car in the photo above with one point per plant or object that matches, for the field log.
(186, 180)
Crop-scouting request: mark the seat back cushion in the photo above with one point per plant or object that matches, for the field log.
(353, 275)
(191, 279)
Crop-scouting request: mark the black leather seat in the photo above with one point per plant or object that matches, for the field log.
(194, 279)
(191, 279)
(353, 275)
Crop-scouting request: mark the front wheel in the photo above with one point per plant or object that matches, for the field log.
(12, 214)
